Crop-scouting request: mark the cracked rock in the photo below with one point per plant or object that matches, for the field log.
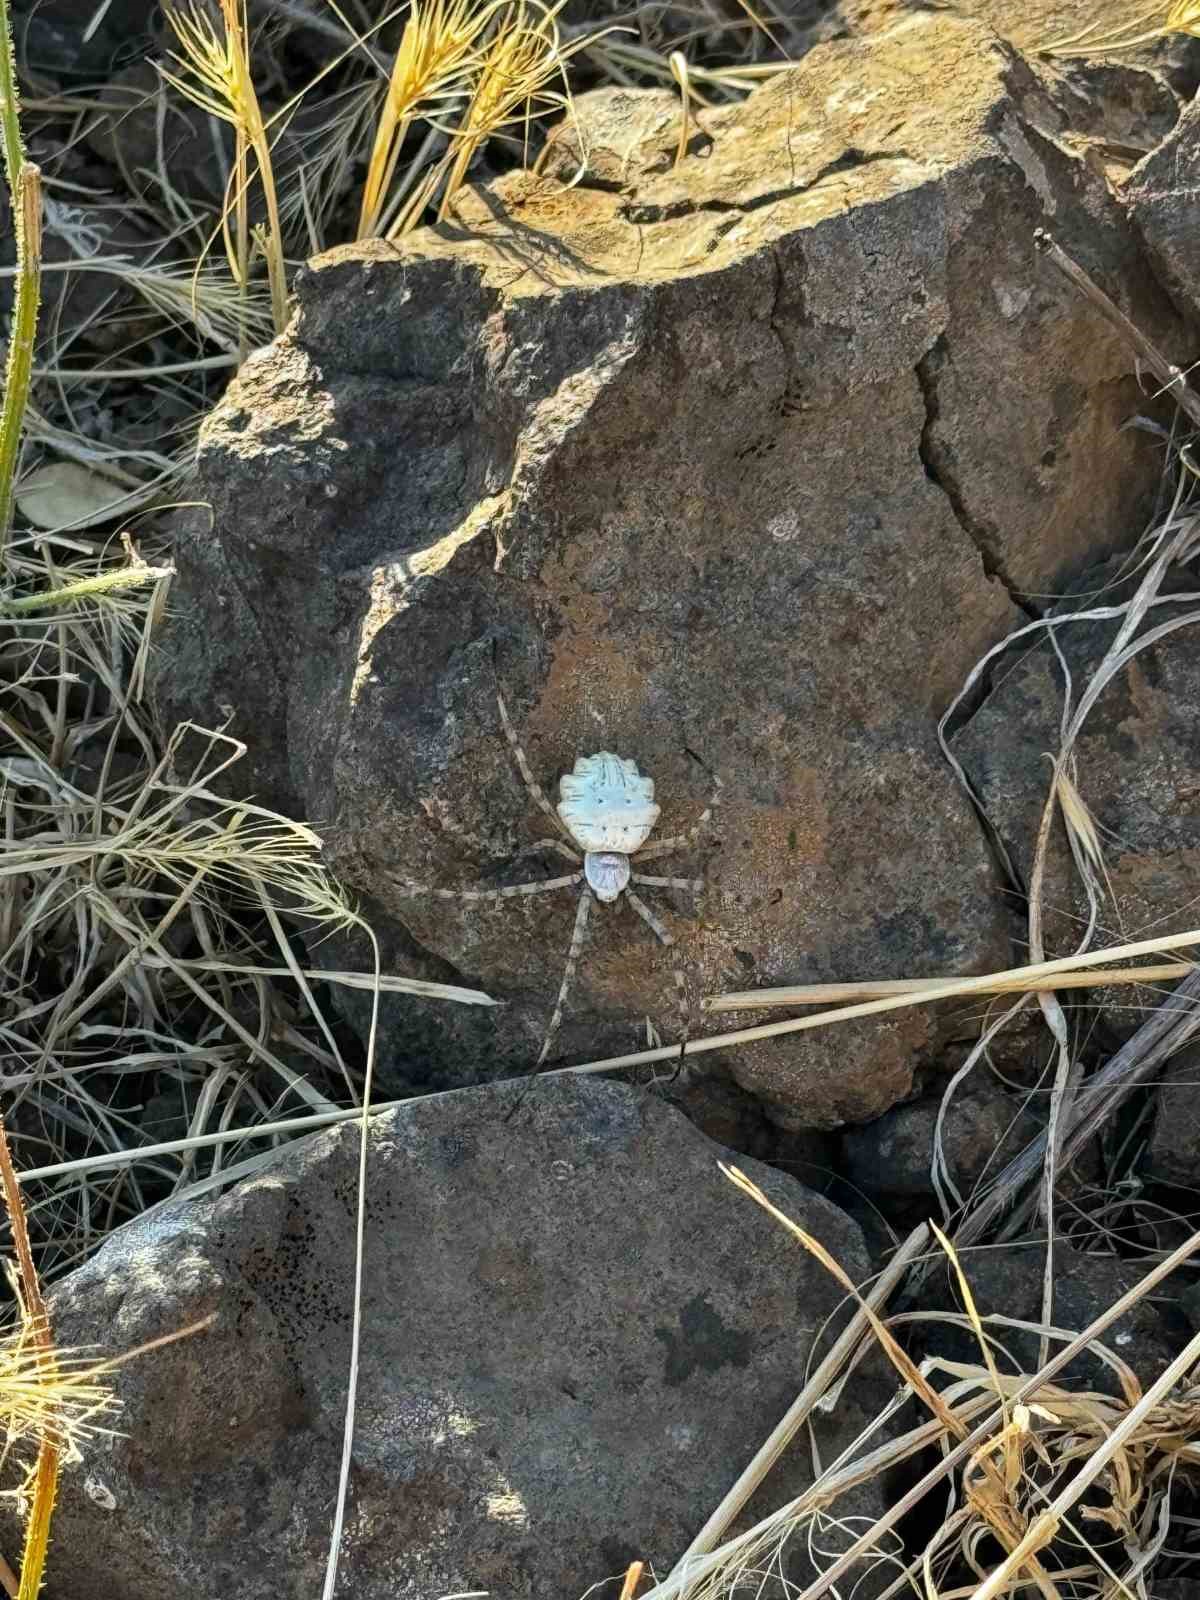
(575, 1336)
(1160, 195)
(747, 457)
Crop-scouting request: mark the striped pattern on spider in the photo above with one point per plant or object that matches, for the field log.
(604, 818)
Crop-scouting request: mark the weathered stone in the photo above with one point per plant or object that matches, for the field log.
(1158, 193)
(731, 459)
(984, 1128)
(1137, 770)
(1173, 1153)
(1105, 85)
(576, 1334)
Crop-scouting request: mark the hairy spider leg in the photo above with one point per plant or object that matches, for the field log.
(558, 845)
(692, 885)
(535, 886)
(577, 937)
(681, 841)
(660, 933)
(438, 814)
(535, 789)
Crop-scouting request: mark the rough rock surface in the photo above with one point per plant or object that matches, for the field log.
(1173, 1152)
(1159, 193)
(739, 458)
(576, 1332)
(1118, 106)
(1109, 91)
(1137, 770)
(983, 1129)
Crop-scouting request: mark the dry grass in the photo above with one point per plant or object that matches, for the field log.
(1182, 16)
(217, 77)
(1037, 1486)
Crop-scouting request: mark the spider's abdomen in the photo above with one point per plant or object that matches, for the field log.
(607, 873)
(607, 805)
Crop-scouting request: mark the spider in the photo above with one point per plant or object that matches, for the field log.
(606, 813)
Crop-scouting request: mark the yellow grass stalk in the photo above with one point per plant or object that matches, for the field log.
(679, 71)
(437, 53)
(1183, 16)
(50, 1446)
(216, 77)
(1044, 1527)
(821, 994)
(633, 1577)
(990, 1502)
(523, 56)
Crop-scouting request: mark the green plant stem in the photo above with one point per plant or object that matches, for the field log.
(25, 194)
(102, 583)
(33, 1310)
(10, 127)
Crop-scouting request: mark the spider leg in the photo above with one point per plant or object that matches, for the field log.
(692, 885)
(535, 886)
(681, 841)
(577, 937)
(535, 789)
(438, 814)
(563, 850)
(661, 934)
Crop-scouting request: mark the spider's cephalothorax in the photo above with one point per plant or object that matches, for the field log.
(606, 810)
(607, 807)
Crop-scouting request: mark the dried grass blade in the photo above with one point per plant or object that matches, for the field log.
(675, 1586)
(815, 994)
(810, 1397)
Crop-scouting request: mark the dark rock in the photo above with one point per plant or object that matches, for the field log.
(1007, 1280)
(1173, 1154)
(154, 131)
(1137, 770)
(1157, 194)
(732, 459)
(576, 1333)
(69, 40)
(984, 1128)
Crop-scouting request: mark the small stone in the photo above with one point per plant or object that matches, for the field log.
(983, 1129)
(1173, 1155)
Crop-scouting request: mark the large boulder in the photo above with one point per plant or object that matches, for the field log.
(576, 1334)
(750, 457)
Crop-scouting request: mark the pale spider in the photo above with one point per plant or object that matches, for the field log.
(606, 811)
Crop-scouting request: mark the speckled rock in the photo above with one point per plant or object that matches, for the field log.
(576, 1333)
(745, 457)
(1117, 94)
